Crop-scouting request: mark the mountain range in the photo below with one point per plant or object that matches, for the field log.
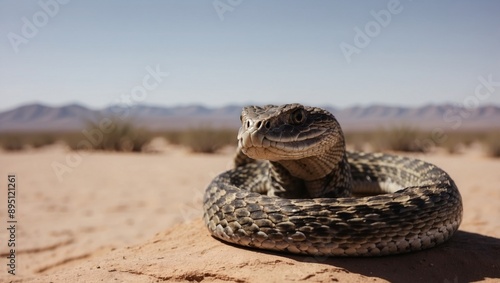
(74, 117)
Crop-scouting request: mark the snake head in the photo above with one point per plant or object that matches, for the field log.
(288, 132)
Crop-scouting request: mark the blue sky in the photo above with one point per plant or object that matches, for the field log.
(223, 52)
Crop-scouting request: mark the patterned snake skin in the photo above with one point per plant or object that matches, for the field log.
(296, 189)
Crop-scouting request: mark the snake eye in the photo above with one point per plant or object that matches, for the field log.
(298, 116)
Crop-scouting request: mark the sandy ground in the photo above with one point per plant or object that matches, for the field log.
(137, 218)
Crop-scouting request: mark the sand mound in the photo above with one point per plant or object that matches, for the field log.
(136, 218)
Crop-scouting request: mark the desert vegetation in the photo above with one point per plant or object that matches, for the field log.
(14, 141)
(126, 137)
(119, 135)
(409, 139)
(401, 138)
(493, 144)
(203, 139)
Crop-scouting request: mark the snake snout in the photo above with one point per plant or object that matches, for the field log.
(257, 125)
(252, 132)
(247, 139)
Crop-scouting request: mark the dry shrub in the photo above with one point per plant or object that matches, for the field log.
(21, 140)
(204, 139)
(12, 142)
(401, 138)
(120, 135)
(492, 143)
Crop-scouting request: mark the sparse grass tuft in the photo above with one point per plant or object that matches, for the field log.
(401, 138)
(203, 139)
(359, 140)
(453, 146)
(43, 139)
(492, 143)
(12, 142)
(119, 136)
(456, 141)
(21, 140)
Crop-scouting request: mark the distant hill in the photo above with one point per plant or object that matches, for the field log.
(73, 117)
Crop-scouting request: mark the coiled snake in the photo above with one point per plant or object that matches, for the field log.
(294, 185)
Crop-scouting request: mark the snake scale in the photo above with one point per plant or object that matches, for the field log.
(296, 189)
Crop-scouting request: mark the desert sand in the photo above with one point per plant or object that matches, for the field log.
(123, 217)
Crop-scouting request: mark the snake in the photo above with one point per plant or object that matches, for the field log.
(296, 189)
